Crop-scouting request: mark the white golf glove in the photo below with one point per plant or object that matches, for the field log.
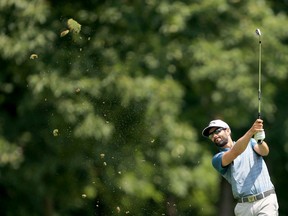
(260, 136)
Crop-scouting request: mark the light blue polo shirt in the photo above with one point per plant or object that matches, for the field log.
(247, 174)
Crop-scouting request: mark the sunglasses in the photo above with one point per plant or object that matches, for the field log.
(217, 131)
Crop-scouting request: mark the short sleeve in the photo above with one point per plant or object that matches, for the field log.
(253, 142)
(217, 163)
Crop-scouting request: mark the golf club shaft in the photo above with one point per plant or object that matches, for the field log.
(259, 75)
(259, 89)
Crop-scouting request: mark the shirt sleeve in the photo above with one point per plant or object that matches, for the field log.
(217, 163)
(253, 142)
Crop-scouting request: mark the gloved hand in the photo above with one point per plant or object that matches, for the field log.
(259, 136)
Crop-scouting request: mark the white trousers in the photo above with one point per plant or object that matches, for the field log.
(267, 206)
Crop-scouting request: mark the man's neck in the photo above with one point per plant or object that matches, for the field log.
(229, 144)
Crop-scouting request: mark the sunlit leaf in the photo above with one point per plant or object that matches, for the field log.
(77, 90)
(118, 209)
(55, 132)
(64, 33)
(74, 25)
(33, 56)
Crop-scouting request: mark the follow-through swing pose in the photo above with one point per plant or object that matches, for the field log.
(241, 163)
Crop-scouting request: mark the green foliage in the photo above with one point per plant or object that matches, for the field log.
(108, 120)
(10, 154)
(22, 29)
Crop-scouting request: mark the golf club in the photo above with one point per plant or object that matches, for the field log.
(258, 32)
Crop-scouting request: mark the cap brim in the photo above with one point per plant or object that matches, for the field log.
(206, 130)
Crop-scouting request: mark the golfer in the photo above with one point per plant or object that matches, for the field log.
(241, 164)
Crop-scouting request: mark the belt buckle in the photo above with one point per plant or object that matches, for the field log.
(251, 198)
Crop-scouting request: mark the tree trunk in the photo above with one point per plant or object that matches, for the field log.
(48, 206)
(226, 201)
(171, 206)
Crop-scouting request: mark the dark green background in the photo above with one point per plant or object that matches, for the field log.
(129, 96)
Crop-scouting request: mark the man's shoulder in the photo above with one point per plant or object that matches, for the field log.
(217, 156)
(217, 162)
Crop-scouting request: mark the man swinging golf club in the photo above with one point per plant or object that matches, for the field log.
(241, 163)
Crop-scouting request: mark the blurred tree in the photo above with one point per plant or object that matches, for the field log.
(99, 130)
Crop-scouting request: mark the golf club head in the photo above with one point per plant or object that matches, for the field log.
(258, 32)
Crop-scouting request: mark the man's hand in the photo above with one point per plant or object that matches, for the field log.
(257, 126)
(260, 136)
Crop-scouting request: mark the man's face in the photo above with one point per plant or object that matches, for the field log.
(219, 136)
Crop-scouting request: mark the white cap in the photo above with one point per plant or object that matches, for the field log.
(215, 123)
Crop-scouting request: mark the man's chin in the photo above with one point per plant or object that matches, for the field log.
(222, 143)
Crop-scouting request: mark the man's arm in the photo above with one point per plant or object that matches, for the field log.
(262, 149)
(242, 143)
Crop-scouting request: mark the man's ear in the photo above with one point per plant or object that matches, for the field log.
(228, 130)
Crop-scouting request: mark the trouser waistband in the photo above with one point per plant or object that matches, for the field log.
(256, 197)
